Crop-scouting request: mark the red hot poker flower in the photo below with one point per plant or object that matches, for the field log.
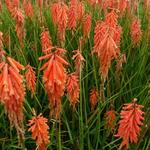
(62, 21)
(72, 14)
(28, 8)
(87, 20)
(9, 5)
(39, 128)
(30, 79)
(12, 93)
(59, 15)
(106, 42)
(55, 8)
(78, 60)
(54, 79)
(129, 125)
(136, 32)
(46, 42)
(80, 11)
(93, 98)
(18, 16)
(73, 89)
(110, 118)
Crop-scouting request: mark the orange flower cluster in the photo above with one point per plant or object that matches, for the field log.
(17, 14)
(75, 13)
(78, 60)
(72, 14)
(93, 98)
(110, 118)
(54, 79)
(73, 89)
(19, 18)
(80, 11)
(60, 18)
(87, 21)
(12, 93)
(129, 125)
(9, 5)
(28, 8)
(136, 32)
(30, 79)
(106, 42)
(39, 128)
(46, 42)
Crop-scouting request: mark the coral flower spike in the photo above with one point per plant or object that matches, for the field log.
(93, 98)
(110, 118)
(136, 32)
(39, 128)
(54, 79)
(12, 93)
(107, 41)
(130, 123)
(87, 20)
(73, 89)
(30, 79)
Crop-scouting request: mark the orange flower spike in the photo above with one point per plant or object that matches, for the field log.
(30, 79)
(59, 15)
(62, 21)
(107, 41)
(54, 79)
(136, 32)
(110, 117)
(55, 8)
(114, 29)
(12, 94)
(80, 11)
(28, 8)
(72, 14)
(93, 98)
(46, 41)
(9, 5)
(73, 89)
(87, 25)
(39, 129)
(78, 60)
(18, 16)
(40, 3)
(130, 123)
